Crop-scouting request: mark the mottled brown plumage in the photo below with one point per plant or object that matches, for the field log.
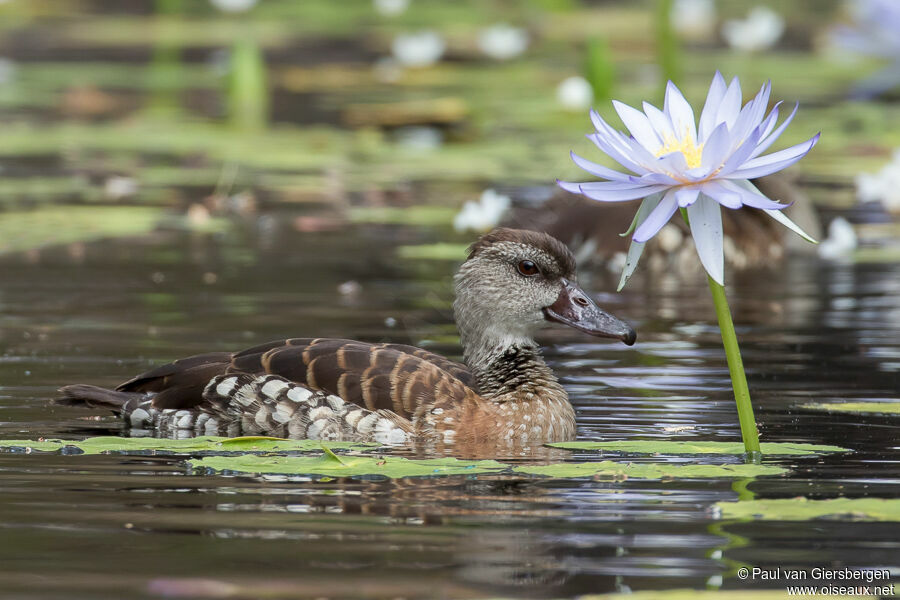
(511, 284)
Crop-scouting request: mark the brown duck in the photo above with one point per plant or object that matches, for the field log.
(510, 285)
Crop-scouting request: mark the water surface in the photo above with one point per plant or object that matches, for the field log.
(135, 526)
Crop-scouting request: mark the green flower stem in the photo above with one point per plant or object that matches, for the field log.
(736, 369)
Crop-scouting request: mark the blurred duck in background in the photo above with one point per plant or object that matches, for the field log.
(592, 230)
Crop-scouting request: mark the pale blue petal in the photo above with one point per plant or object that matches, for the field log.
(660, 121)
(705, 217)
(614, 153)
(686, 196)
(598, 170)
(641, 214)
(751, 115)
(673, 162)
(656, 179)
(636, 248)
(680, 113)
(784, 220)
(778, 215)
(620, 195)
(657, 218)
(613, 186)
(710, 108)
(730, 106)
(765, 142)
(770, 163)
(769, 122)
(728, 198)
(696, 174)
(598, 122)
(715, 149)
(752, 197)
(569, 186)
(627, 151)
(639, 126)
(741, 154)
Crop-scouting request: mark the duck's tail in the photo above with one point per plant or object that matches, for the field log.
(91, 396)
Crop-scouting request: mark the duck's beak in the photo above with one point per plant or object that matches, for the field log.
(576, 309)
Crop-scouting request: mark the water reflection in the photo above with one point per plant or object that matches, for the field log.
(818, 333)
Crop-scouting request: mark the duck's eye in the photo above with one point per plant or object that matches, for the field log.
(527, 268)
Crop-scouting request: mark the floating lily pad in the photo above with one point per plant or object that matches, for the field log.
(618, 470)
(804, 509)
(698, 447)
(433, 252)
(862, 408)
(24, 230)
(110, 444)
(413, 215)
(347, 466)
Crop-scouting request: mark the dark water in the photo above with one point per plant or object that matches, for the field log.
(115, 527)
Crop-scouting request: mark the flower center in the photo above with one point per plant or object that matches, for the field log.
(693, 153)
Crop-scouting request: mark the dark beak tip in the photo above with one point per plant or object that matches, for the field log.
(630, 337)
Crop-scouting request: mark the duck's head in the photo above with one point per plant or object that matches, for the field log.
(516, 281)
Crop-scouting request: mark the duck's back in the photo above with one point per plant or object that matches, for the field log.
(393, 377)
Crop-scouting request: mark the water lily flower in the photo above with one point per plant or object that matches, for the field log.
(841, 240)
(575, 93)
(873, 32)
(502, 41)
(883, 186)
(693, 19)
(234, 5)
(421, 49)
(676, 163)
(484, 214)
(759, 31)
(391, 8)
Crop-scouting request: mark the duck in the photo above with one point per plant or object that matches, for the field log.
(512, 283)
(752, 239)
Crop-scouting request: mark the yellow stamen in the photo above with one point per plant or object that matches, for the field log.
(693, 153)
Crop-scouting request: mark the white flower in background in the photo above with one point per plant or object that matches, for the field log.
(390, 8)
(759, 31)
(7, 70)
(875, 31)
(482, 215)
(419, 137)
(233, 5)
(117, 187)
(883, 186)
(841, 241)
(420, 49)
(575, 93)
(694, 19)
(502, 41)
(700, 167)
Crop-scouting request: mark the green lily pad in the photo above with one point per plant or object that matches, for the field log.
(332, 465)
(683, 447)
(412, 215)
(434, 252)
(804, 509)
(111, 444)
(24, 230)
(862, 408)
(618, 470)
